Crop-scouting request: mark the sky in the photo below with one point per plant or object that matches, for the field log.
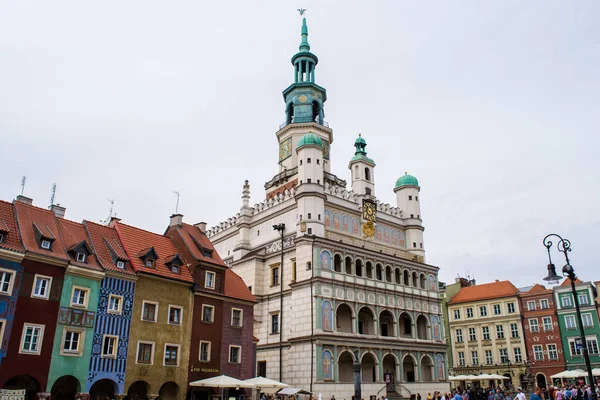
(494, 106)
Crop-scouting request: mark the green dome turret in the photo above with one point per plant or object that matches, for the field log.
(406, 180)
(310, 139)
(361, 153)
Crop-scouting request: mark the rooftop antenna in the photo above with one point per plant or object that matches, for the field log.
(23, 180)
(302, 11)
(177, 205)
(53, 194)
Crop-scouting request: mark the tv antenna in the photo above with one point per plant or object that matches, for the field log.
(23, 180)
(177, 205)
(53, 194)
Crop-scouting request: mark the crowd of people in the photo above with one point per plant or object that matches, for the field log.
(567, 392)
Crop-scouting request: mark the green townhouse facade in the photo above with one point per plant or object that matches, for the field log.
(569, 325)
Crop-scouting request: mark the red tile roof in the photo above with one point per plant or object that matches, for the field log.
(567, 282)
(72, 235)
(105, 239)
(135, 240)
(494, 290)
(27, 216)
(193, 237)
(236, 288)
(8, 224)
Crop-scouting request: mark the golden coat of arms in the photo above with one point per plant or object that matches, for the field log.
(368, 229)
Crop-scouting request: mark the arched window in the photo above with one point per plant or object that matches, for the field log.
(397, 276)
(359, 271)
(367, 174)
(337, 263)
(348, 265)
(369, 270)
(379, 272)
(406, 278)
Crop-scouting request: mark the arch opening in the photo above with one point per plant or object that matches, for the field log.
(426, 369)
(30, 384)
(408, 366)
(405, 323)
(343, 318)
(359, 268)
(169, 391)
(337, 263)
(366, 321)
(138, 390)
(369, 267)
(103, 388)
(389, 366)
(422, 331)
(406, 278)
(367, 174)
(65, 388)
(345, 362)
(397, 276)
(348, 263)
(379, 271)
(388, 274)
(415, 280)
(386, 323)
(422, 281)
(369, 369)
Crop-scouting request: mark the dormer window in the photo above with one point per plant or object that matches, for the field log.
(174, 262)
(81, 257)
(175, 269)
(46, 244)
(2, 237)
(120, 264)
(149, 262)
(148, 257)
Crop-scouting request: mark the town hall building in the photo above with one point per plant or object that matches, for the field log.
(339, 276)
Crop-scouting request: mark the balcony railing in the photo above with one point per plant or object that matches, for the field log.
(317, 120)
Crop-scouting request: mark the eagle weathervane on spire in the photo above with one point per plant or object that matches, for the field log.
(302, 11)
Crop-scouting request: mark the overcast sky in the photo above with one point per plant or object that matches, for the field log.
(494, 106)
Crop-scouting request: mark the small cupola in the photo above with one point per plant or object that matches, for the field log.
(406, 180)
(148, 257)
(174, 263)
(310, 139)
(362, 169)
(80, 252)
(43, 236)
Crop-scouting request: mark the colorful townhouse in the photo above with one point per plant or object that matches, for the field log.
(542, 334)
(72, 348)
(28, 357)
(569, 326)
(11, 274)
(223, 318)
(161, 325)
(106, 376)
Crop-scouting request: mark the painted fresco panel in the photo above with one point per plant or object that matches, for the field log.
(326, 315)
(326, 260)
(350, 224)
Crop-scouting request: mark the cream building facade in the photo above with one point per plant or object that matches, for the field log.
(486, 331)
(353, 284)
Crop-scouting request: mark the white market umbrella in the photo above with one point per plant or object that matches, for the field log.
(569, 374)
(501, 377)
(596, 372)
(471, 378)
(262, 383)
(485, 377)
(222, 381)
(458, 378)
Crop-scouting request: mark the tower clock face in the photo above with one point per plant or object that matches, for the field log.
(369, 211)
(285, 149)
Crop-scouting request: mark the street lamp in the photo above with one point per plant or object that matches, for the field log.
(564, 246)
(280, 228)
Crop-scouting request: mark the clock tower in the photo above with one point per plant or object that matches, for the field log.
(304, 101)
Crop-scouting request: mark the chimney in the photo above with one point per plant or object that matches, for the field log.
(24, 199)
(201, 226)
(59, 212)
(497, 280)
(113, 221)
(176, 220)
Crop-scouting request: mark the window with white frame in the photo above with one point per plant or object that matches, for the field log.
(472, 335)
(552, 352)
(81, 257)
(538, 352)
(236, 317)
(72, 341)
(514, 330)
(209, 280)
(149, 311)
(489, 358)
(592, 346)
(175, 315)
(120, 264)
(235, 354)
(459, 336)
(456, 314)
(171, 355)
(115, 304)
(503, 355)
(474, 357)
(583, 299)
(497, 309)
(208, 313)
(566, 301)
(499, 332)
(46, 244)
(6, 281)
(79, 297)
(31, 339)
(461, 358)
(483, 311)
(511, 308)
(570, 322)
(145, 352)
(587, 320)
(41, 287)
(204, 355)
(109, 346)
(485, 331)
(547, 323)
(544, 304)
(531, 305)
(469, 312)
(533, 325)
(518, 355)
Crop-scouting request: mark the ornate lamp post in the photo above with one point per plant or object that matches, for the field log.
(564, 246)
(281, 228)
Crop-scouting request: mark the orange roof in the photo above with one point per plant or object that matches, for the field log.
(135, 240)
(494, 290)
(73, 234)
(107, 246)
(8, 225)
(194, 240)
(567, 282)
(30, 219)
(236, 288)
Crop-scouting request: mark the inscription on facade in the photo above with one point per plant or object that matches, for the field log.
(275, 246)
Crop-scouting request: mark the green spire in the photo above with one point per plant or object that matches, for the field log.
(304, 46)
(361, 154)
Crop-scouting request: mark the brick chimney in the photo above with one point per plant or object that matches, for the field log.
(201, 226)
(24, 199)
(176, 220)
(113, 221)
(59, 212)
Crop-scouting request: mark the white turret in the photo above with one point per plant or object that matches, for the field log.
(407, 196)
(362, 170)
(242, 245)
(310, 193)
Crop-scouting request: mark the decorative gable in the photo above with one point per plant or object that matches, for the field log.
(148, 257)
